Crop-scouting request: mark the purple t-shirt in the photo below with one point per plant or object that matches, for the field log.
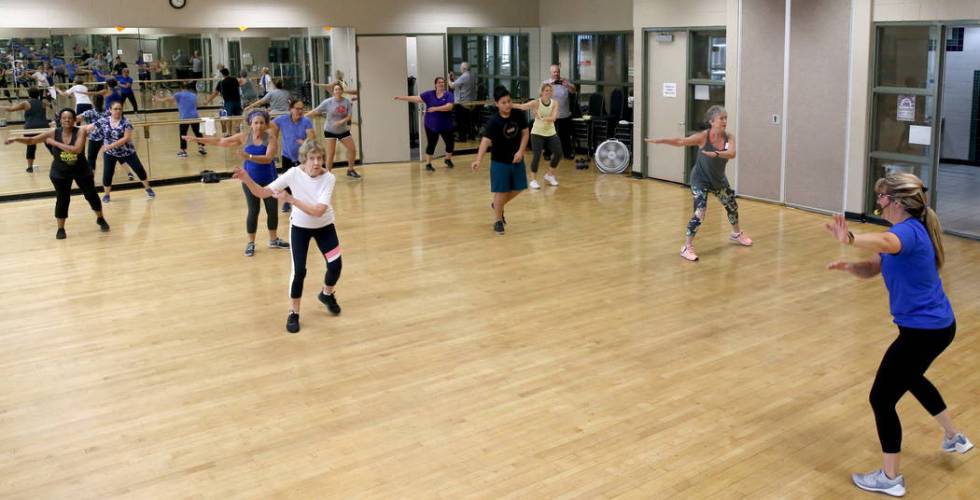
(438, 121)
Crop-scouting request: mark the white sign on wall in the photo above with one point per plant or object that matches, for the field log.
(906, 108)
(670, 90)
(920, 135)
(147, 57)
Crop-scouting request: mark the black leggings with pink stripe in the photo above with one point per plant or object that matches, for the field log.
(329, 245)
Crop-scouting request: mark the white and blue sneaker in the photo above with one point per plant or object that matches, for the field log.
(959, 443)
(878, 482)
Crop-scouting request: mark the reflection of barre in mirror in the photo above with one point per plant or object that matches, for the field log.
(257, 147)
(716, 147)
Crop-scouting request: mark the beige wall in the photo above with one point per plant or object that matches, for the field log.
(579, 15)
(760, 96)
(926, 10)
(383, 16)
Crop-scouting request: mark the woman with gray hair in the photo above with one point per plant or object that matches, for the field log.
(708, 176)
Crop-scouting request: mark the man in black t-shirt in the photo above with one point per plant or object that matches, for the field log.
(230, 94)
(507, 132)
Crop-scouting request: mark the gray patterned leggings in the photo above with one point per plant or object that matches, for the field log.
(727, 198)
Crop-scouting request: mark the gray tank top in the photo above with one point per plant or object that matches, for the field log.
(34, 117)
(709, 173)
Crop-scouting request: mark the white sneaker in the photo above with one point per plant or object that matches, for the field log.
(551, 179)
(534, 184)
(878, 482)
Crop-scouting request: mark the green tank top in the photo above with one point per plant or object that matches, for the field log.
(541, 127)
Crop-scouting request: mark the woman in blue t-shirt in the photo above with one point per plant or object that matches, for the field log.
(259, 148)
(126, 88)
(186, 101)
(908, 256)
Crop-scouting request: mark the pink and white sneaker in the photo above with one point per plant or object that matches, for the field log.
(688, 253)
(741, 238)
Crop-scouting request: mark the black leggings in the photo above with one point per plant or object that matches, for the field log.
(131, 98)
(538, 143)
(329, 245)
(252, 219)
(196, 127)
(903, 370)
(92, 153)
(110, 161)
(431, 137)
(31, 148)
(62, 186)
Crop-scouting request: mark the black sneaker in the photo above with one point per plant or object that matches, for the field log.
(502, 217)
(353, 173)
(102, 224)
(292, 322)
(498, 227)
(250, 249)
(30, 170)
(201, 151)
(449, 163)
(60, 234)
(429, 167)
(330, 301)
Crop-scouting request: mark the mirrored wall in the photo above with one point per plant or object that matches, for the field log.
(156, 63)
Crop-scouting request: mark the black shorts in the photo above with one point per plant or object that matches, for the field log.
(331, 135)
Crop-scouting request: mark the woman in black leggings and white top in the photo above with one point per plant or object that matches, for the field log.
(312, 219)
(67, 146)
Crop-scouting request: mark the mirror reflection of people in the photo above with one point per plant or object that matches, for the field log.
(438, 120)
(276, 99)
(337, 115)
(231, 96)
(186, 102)
(35, 117)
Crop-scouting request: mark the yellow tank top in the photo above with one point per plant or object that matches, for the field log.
(541, 127)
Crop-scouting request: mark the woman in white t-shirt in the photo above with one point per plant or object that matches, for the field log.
(79, 91)
(312, 219)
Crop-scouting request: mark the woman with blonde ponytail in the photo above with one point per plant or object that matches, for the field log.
(908, 256)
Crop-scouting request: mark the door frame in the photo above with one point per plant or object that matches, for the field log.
(937, 95)
(645, 93)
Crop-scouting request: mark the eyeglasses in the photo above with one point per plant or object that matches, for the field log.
(884, 195)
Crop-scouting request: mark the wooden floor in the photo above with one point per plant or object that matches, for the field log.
(576, 357)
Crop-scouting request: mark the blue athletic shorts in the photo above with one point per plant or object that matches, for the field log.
(507, 177)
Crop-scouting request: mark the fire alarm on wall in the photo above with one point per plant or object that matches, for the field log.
(178, 4)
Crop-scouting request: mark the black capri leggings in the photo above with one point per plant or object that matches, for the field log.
(92, 153)
(431, 137)
(329, 246)
(131, 97)
(195, 127)
(109, 162)
(62, 186)
(903, 370)
(31, 148)
(252, 219)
